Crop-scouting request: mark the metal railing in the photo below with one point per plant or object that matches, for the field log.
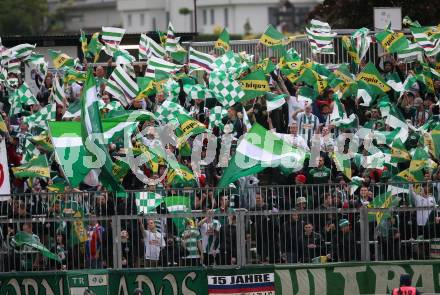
(102, 231)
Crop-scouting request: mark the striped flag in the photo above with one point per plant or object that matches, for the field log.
(320, 37)
(14, 66)
(414, 51)
(171, 43)
(200, 61)
(112, 36)
(428, 38)
(73, 111)
(58, 93)
(123, 57)
(148, 47)
(22, 51)
(91, 125)
(38, 63)
(122, 86)
(156, 63)
(274, 101)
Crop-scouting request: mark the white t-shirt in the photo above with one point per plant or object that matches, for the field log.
(153, 241)
(208, 231)
(419, 201)
(294, 105)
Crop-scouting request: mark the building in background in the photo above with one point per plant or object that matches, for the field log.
(136, 16)
(89, 15)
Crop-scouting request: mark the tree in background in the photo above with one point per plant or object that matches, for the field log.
(352, 14)
(23, 17)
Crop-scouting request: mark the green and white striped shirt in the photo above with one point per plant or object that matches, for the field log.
(307, 126)
(190, 239)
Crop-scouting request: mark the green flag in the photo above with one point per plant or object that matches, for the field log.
(254, 85)
(223, 40)
(272, 38)
(147, 202)
(392, 42)
(60, 59)
(188, 127)
(258, 150)
(92, 134)
(23, 238)
(37, 167)
(181, 177)
(399, 153)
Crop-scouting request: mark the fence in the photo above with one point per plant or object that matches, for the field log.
(276, 224)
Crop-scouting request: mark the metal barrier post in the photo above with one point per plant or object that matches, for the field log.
(365, 245)
(241, 239)
(117, 251)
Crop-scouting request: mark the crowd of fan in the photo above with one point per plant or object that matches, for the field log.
(285, 237)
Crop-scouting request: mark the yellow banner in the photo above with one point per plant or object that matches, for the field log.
(373, 80)
(390, 39)
(43, 171)
(60, 60)
(255, 85)
(269, 41)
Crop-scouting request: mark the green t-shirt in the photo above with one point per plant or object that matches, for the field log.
(320, 175)
(224, 219)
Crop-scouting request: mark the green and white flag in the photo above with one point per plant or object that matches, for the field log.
(40, 118)
(112, 36)
(38, 63)
(414, 51)
(37, 167)
(22, 51)
(73, 111)
(228, 91)
(70, 151)
(25, 95)
(200, 61)
(391, 41)
(358, 44)
(123, 57)
(396, 120)
(408, 22)
(260, 149)
(156, 63)
(371, 84)
(14, 66)
(171, 42)
(168, 110)
(122, 86)
(146, 202)
(22, 238)
(148, 47)
(216, 115)
(274, 101)
(228, 62)
(428, 38)
(92, 134)
(58, 93)
(198, 91)
(320, 37)
(355, 183)
(223, 40)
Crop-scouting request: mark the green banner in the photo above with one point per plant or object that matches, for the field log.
(41, 283)
(355, 278)
(340, 278)
(172, 282)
